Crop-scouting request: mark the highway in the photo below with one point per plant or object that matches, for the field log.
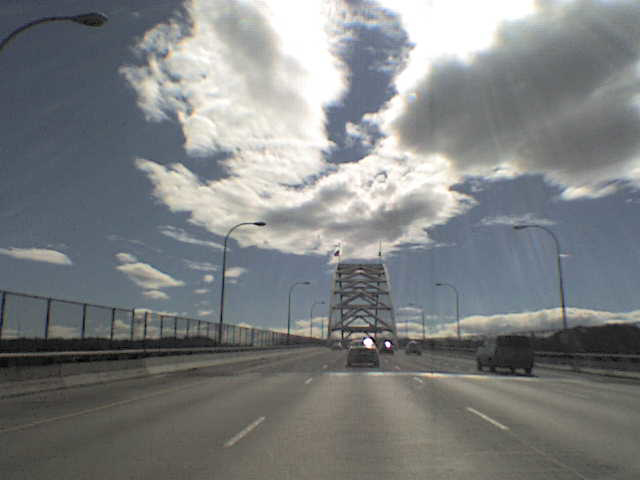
(307, 416)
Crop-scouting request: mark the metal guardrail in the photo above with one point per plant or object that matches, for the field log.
(612, 361)
(29, 322)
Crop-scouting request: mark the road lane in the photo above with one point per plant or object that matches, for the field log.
(414, 417)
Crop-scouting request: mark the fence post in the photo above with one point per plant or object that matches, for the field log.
(133, 325)
(199, 323)
(253, 335)
(208, 325)
(113, 321)
(84, 321)
(175, 328)
(144, 335)
(161, 325)
(188, 325)
(47, 319)
(2, 304)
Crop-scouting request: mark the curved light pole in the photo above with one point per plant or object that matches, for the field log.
(559, 262)
(321, 302)
(442, 284)
(224, 269)
(93, 19)
(422, 312)
(289, 312)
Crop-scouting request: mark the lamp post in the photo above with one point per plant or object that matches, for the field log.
(321, 302)
(93, 19)
(289, 311)
(559, 262)
(442, 284)
(224, 269)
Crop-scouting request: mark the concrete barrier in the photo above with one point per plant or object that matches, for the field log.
(22, 380)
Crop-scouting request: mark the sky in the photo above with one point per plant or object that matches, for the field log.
(428, 127)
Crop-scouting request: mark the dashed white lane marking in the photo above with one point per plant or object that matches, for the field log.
(308, 380)
(242, 433)
(487, 418)
(418, 379)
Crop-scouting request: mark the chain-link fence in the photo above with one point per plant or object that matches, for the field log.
(36, 323)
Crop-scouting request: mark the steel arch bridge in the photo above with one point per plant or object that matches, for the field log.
(361, 301)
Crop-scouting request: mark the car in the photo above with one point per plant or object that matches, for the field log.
(361, 355)
(387, 347)
(506, 351)
(413, 347)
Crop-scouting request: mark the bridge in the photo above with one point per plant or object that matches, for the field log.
(361, 301)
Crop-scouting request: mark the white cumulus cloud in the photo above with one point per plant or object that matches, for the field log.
(37, 255)
(146, 276)
(207, 278)
(527, 218)
(126, 258)
(156, 295)
(182, 236)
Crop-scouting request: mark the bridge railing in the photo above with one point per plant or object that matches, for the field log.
(603, 361)
(37, 323)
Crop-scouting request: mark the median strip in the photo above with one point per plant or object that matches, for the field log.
(487, 418)
(243, 433)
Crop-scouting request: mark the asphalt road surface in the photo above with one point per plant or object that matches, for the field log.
(427, 417)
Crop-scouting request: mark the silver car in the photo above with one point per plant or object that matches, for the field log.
(360, 355)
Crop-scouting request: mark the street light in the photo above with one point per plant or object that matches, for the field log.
(422, 311)
(224, 269)
(321, 302)
(93, 19)
(289, 314)
(559, 262)
(442, 284)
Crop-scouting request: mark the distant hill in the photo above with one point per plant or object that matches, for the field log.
(615, 338)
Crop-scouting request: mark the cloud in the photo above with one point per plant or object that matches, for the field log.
(182, 236)
(527, 218)
(229, 97)
(156, 295)
(60, 331)
(548, 319)
(147, 277)
(536, 98)
(235, 272)
(201, 266)
(393, 199)
(201, 291)
(204, 313)
(37, 255)
(238, 78)
(126, 258)
(207, 278)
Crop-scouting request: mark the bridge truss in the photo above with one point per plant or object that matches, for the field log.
(361, 301)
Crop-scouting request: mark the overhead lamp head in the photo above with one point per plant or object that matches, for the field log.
(93, 19)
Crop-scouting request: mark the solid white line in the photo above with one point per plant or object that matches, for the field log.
(308, 380)
(242, 433)
(488, 419)
(418, 379)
